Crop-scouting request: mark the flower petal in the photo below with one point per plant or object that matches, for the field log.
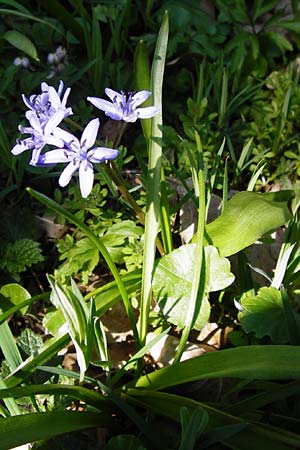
(54, 98)
(89, 134)
(27, 102)
(104, 105)
(145, 113)
(21, 146)
(67, 173)
(55, 141)
(113, 94)
(59, 155)
(34, 121)
(86, 178)
(139, 97)
(101, 154)
(53, 122)
(66, 137)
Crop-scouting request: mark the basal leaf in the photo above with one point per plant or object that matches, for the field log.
(172, 282)
(264, 315)
(246, 218)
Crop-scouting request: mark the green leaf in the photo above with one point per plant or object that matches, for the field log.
(192, 424)
(82, 257)
(172, 282)
(16, 294)
(264, 315)
(260, 7)
(22, 43)
(143, 80)
(280, 41)
(29, 341)
(260, 362)
(246, 218)
(42, 426)
(17, 256)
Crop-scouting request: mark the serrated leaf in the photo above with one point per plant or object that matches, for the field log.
(81, 258)
(264, 315)
(246, 218)
(16, 294)
(172, 282)
(17, 256)
(21, 42)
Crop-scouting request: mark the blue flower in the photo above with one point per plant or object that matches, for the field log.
(40, 135)
(79, 155)
(49, 102)
(125, 107)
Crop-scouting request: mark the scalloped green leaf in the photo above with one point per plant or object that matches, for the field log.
(22, 43)
(172, 282)
(246, 218)
(264, 314)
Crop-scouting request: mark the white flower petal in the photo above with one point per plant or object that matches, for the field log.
(89, 134)
(67, 173)
(27, 102)
(59, 155)
(19, 148)
(113, 94)
(101, 154)
(145, 113)
(131, 117)
(103, 105)
(66, 137)
(65, 97)
(86, 178)
(34, 121)
(35, 155)
(53, 122)
(139, 97)
(55, 141)
(54, 98)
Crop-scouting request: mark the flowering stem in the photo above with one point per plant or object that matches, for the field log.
(114, 173)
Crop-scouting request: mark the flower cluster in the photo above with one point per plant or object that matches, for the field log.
(48, 109)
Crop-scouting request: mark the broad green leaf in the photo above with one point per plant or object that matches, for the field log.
(172, 282)
(264, 315)
(16, 294)
(246, 218)
(260, 362)
(21, 42)
(42, 426)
